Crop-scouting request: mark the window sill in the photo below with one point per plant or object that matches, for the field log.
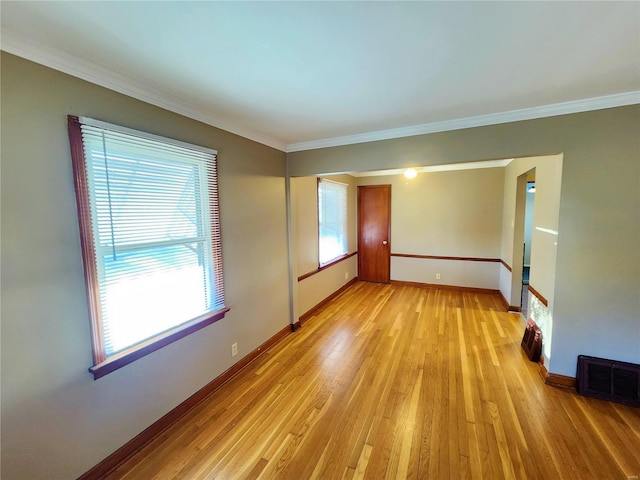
(140, 350)
(327, 265)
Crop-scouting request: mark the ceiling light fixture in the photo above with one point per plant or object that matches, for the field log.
(410, 173)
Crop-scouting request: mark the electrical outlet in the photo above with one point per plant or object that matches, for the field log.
(346, 275)
(234, 349)
(437, 276)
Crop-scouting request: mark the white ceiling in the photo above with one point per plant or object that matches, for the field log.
(299, 75)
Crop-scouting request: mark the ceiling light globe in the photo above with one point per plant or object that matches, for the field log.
(410, 173)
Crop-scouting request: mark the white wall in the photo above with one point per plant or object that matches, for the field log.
(57, 422)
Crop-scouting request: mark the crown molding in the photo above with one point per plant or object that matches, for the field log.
(21, 46)
(575, 106)
(24, 47)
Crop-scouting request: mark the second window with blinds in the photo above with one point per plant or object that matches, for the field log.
(332, 220)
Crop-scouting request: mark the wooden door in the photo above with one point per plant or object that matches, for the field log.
(374, 231)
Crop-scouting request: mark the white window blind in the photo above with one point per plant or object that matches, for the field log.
(154, 215)
(332, 220)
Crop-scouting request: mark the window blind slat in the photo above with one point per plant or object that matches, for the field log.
(155, 221)
(332, 220)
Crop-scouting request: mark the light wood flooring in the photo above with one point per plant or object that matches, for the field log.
(398, 382)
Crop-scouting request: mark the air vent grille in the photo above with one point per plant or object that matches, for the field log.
(532, 341)
(609, 380)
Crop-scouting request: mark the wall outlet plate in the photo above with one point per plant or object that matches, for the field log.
(234, 349)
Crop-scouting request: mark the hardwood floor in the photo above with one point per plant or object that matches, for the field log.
(397, 382)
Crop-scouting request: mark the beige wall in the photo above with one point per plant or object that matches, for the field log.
(57, 422)
(304, 211)
(548, 170)
(544, 237)
(314, 289)
(597, 287)
(455, 213)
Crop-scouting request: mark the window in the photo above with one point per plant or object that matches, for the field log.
(150, 234)
(332, 220)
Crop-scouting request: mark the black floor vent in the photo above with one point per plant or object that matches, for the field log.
(609, 380)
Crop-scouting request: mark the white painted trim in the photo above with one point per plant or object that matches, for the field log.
(437, 168)
(36, 52)
(24, 47)
(576, 106)
(146, 135)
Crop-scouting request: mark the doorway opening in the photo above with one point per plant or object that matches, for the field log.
(523, 238)
(528, 229)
